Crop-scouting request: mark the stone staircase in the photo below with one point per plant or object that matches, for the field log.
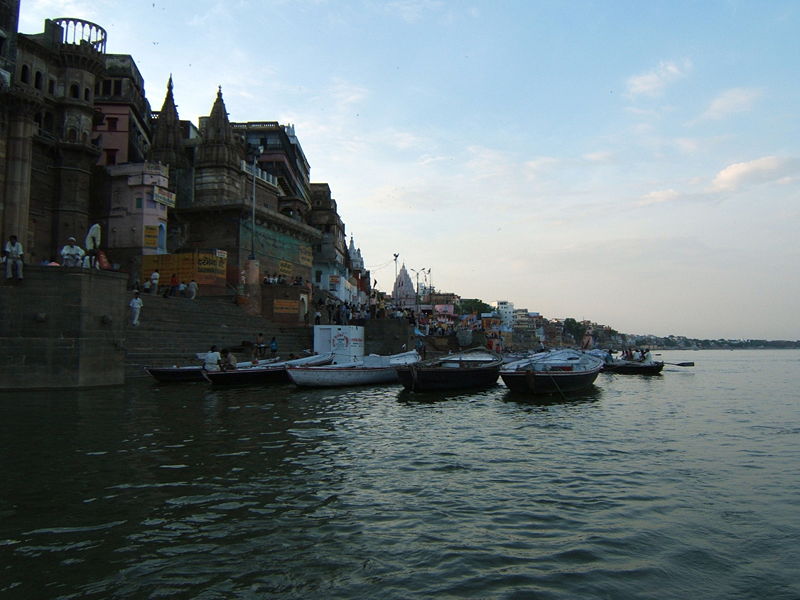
(173, 330)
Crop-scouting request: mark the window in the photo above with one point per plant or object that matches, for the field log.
(112, 123)
(25, 74)
(37, 80)
(111, 156)
(74, 91)
(87, 94)
(162, 238)
(118, 87)
(138, 203)
(106, 87)
(51, 87)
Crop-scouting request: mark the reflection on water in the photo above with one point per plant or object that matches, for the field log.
(679, 486)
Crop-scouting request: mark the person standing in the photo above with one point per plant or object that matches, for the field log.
(136, 305)
(273, 347)
(192, 289)
(173, 285)
(72, 254)
(12, 252)
(154, 277)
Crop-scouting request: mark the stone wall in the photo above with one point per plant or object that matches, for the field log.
(387, 336)
(62, 328)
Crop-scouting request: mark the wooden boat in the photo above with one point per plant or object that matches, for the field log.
(473, 368)
(558, 371)
(193, 372)
(633, 367)
(643, 366)
(271, 373)
(371, 369)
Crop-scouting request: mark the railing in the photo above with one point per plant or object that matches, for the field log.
(260, 174)
(77, 31)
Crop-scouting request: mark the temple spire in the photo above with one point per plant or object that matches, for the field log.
(167, 145)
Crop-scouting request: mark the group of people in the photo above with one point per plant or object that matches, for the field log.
(637, 355)
(175, 288)
(277, 279)
(225, 360)
(72, 255)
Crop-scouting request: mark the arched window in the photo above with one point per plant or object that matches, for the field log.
(162, 239)
(74, 91)
(48, 122)
(37, 80)
(87, 94)
(72, 135)
(25, 74)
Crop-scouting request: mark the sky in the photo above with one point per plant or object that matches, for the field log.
(632, 163)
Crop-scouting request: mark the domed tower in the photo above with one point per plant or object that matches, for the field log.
(81, 50)
(50, 120)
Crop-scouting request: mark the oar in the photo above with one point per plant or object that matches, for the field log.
(683, 364)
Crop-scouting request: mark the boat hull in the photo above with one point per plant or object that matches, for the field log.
(422, 379)
(549, 382)
(269, 374)
(247, 376)
(632, 368)
(345, 376)
(175, 374)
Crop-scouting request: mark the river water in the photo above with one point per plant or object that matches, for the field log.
(684, 485)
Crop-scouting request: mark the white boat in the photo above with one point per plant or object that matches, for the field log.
(370, 369)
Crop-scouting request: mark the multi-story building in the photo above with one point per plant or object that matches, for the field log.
(330, 252)
(505, 311)
(46, 137)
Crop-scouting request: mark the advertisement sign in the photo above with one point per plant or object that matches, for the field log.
(204, 266)
(285, 268)
(150, 236)
(163, 196)
(286, 307)
(305, 256)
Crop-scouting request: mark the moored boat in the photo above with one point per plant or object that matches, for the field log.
(558, 371)
(371, 369)
(192, 373)
(271, 373)
(473, 368)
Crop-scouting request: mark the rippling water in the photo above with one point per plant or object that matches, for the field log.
(684, 485)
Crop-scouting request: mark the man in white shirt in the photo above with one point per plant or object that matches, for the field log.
(212, 360)
(72, 254)
(154, 277)
(136, 308)
(12, 252)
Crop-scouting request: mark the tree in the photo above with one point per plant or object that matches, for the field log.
(575, 329)
(473, 305)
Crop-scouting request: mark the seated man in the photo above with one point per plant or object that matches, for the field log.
(228, 360)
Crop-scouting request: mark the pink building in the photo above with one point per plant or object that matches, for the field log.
(138, 205)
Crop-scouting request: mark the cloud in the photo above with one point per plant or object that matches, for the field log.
(731, 101)
(761, 170)
(412, 11)
(598, 157)
(654, 82)
(538, 166)
(657, 197)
